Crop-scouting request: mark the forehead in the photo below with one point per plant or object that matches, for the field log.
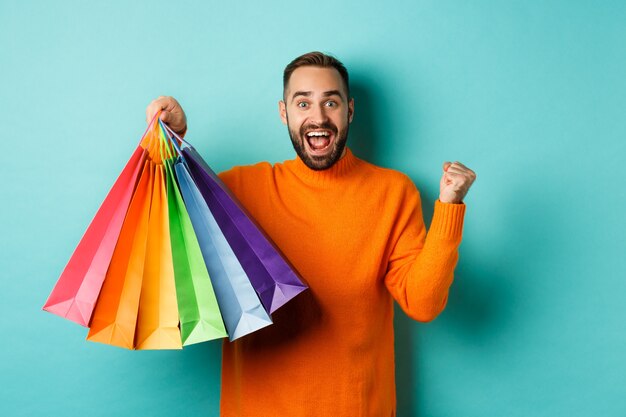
(315, 80)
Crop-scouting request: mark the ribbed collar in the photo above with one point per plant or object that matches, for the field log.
(339, 170)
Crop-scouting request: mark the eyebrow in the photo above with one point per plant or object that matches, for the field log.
(324, 94)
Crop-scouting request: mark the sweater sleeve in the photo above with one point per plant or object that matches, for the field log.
(421, 265)
(231, 178)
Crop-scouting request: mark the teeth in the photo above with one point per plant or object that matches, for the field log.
(317, 134)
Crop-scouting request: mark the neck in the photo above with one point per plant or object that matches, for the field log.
(338, 170)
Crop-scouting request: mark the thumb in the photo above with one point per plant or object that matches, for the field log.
(446, 165)
(164, 116)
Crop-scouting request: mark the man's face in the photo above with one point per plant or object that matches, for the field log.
(317, 112)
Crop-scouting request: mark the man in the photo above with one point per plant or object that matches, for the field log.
(355, 233)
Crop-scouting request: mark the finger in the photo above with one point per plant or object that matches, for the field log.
(459, 165)
(170, 104)
(155, 106)
(457, 170)
(454, 174)
(455, 178)
(463, 168)
(150, 110)
(446, 165)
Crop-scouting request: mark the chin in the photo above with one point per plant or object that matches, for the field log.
(319, 162)
(322, 162)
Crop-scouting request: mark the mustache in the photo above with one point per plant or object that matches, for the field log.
(327, 126)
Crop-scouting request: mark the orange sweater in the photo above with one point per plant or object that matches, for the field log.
(355, 234)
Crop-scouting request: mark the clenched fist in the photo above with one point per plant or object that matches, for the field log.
(171, 113)
(455, 182)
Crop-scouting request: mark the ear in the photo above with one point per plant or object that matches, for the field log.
(350, 110)
(282, 111)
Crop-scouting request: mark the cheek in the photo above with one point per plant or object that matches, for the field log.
(295, 122)
(293, 127)
(342, 120)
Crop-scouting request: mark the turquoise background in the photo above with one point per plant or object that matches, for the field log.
(531, 95)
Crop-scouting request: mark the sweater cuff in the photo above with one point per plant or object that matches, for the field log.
(448, 220)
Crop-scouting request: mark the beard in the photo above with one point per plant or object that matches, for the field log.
(319, 162)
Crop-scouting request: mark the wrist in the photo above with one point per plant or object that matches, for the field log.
(450, 201)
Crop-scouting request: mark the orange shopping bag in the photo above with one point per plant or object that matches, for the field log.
(157, 323)
(115, 316)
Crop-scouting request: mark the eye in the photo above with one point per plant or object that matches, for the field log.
(331, 103)
(303, 104)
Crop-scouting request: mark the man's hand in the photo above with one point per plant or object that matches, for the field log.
(455, 182)
(171, 113)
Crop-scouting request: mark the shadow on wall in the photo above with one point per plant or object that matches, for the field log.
(476, 314)
(364, 128)
(364, 132)
(493, 291)
(470, 313)
(478, 293)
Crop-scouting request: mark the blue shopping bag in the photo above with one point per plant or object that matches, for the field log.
(241, 309)
(271, 276)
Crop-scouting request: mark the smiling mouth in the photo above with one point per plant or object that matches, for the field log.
(319, 140)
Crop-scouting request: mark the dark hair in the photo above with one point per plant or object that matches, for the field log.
(317, 59)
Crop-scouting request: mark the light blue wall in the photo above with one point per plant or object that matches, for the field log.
(531, 95)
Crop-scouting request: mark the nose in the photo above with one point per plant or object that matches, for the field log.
(318, 115)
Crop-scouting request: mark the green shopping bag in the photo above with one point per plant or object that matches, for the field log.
(200, 317)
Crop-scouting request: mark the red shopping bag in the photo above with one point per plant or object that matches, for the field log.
(75, 293)
(115, 316)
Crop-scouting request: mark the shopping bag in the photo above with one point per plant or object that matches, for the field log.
(241, 308)
(167, 273)
(75, 293)
(273, 279)
(200, 317)
(157, 321)
(115, 316)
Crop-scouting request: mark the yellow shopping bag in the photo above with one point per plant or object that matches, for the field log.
(157, 323)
